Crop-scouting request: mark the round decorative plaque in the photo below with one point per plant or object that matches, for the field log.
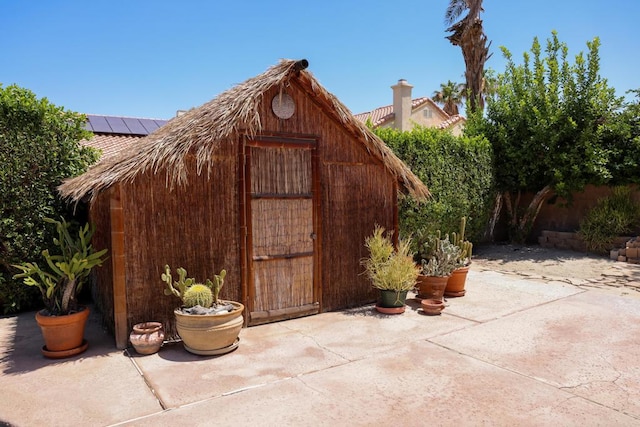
(283, 106)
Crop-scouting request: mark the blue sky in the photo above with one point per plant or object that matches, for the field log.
(142, 58)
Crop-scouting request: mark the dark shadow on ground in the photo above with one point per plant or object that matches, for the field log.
(506, 253)
(21, 343)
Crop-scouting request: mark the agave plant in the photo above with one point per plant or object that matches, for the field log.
(62, 278)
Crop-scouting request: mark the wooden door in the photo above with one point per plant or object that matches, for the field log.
(281, 242)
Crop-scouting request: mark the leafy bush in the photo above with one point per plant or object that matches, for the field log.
(38, 149)
(458, 172)
(613, 216)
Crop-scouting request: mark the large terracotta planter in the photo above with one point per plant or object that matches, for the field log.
(210, 334)
(63, 335)
(431, 287)
(456, 282)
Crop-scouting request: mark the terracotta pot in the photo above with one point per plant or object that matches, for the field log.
(147, 337)
(432, 306)
(390, 310)
(431, 287)
(63, 335)
(456, 282)
(210, 334)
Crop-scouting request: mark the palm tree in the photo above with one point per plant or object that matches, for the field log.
(489, 85)
(450, 94)
(469, 35)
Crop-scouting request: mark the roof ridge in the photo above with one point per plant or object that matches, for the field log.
(125, 117)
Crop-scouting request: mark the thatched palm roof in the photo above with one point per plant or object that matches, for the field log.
(200, 131)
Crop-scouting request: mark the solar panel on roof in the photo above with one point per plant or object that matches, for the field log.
(161, 123)
(122, 125)
(149, 125)
(134, 126)
(99, 124)
(117, 125)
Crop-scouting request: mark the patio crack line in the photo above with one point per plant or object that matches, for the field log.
(144, 378)
(613, 381)
(315, 341)
(504, 368)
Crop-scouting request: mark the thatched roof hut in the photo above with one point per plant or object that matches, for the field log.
(273, 180)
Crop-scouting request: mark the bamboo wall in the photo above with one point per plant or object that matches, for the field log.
(194, 227)
(102, 290)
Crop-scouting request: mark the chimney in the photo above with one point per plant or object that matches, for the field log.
(402, 105)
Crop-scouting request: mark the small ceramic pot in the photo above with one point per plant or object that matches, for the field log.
(432, 306)
(147, 337)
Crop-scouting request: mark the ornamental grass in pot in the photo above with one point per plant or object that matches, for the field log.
(206, 324)
(60, 280)
(391, 270)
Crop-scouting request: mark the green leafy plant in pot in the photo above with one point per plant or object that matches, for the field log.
(62, 321)
(206, 324)
(391, 270)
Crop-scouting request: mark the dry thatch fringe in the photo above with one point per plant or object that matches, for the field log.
(201, 130)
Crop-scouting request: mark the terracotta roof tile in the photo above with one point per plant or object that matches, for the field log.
(382, 115)
(111, 144)
(451, 121)
(113, 134)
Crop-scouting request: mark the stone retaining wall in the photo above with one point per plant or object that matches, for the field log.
(630, 252)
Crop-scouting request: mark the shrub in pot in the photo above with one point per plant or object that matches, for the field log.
(391, 270)
(62, 321)
(206, 324)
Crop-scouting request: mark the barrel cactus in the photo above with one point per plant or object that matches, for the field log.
(198, 294)
(192, 293)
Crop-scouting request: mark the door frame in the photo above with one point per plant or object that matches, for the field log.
(277, 140)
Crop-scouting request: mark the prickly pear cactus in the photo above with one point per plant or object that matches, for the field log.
(217, 286)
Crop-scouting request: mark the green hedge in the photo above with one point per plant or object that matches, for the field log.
(38, 149)
(457, 170)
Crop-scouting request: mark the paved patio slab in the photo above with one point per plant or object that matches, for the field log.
(415, 385)
(491, 295)
(585, 344)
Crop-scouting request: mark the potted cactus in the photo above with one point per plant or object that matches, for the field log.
(391, 270)
(63, 320)
(457, 280)
(206, 324)
(439, 258)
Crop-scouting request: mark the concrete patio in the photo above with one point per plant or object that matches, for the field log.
(513, 351)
